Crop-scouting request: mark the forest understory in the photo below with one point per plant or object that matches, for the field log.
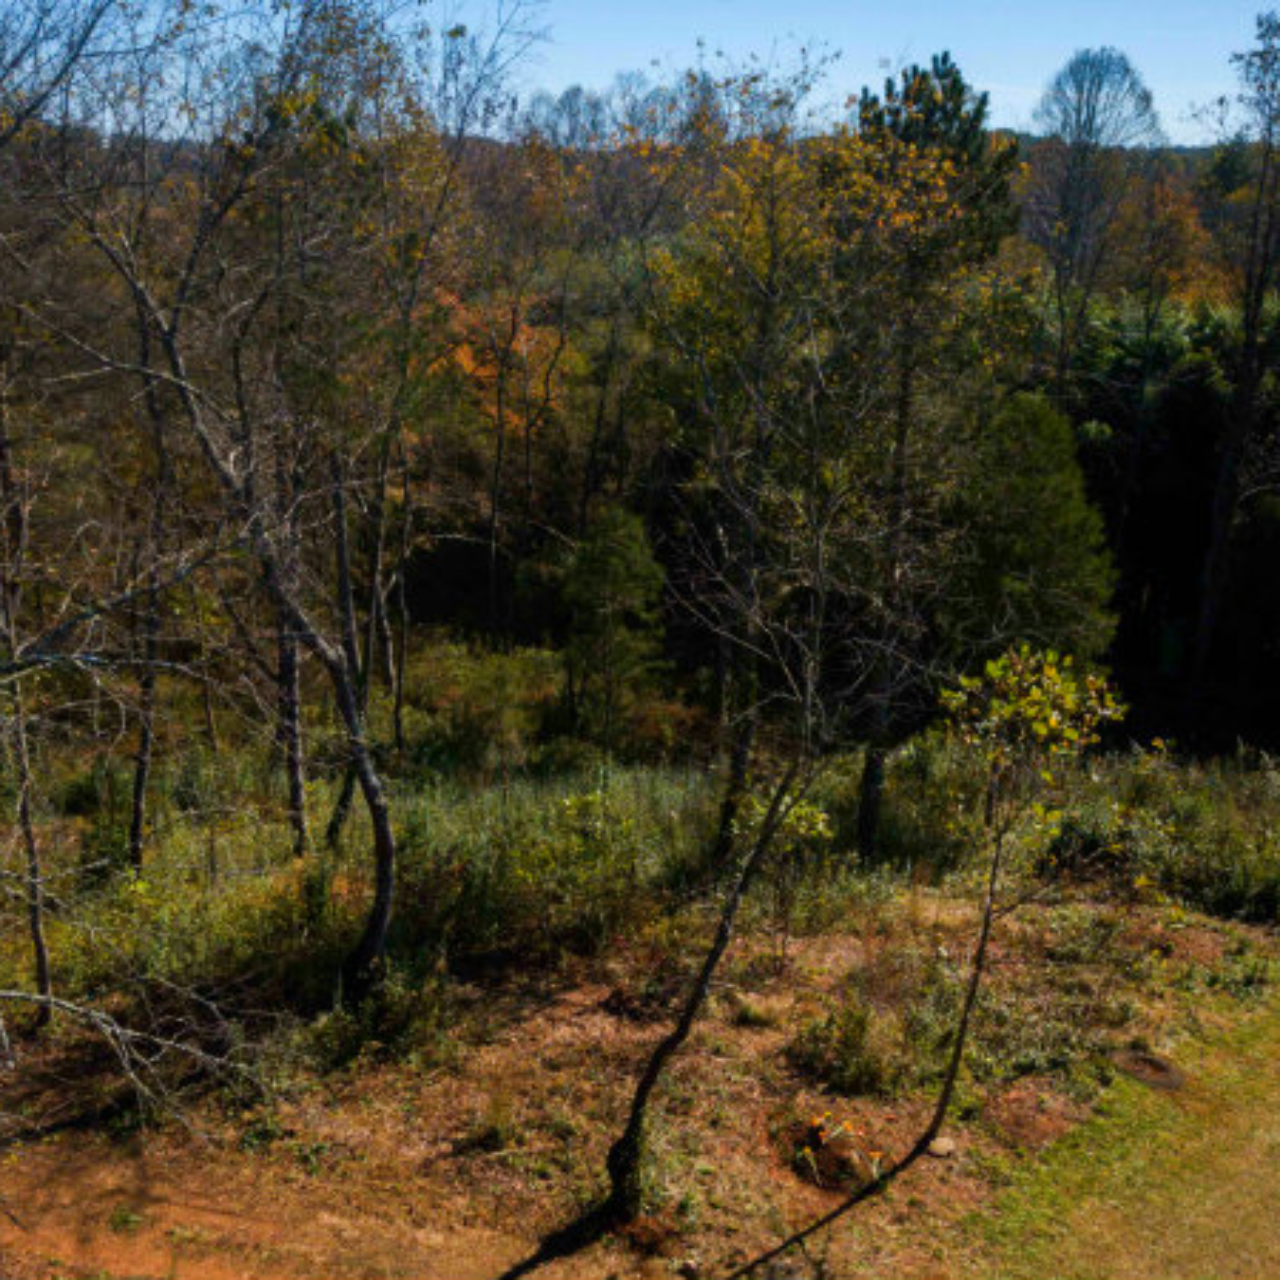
(678, 679)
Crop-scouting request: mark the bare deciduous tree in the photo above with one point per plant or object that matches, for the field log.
(1094, 114)
(42, 43)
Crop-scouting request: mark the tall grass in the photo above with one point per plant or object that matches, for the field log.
(538, 865)
(525, 865)
(523, 870)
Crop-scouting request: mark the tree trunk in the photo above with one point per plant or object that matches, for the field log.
(346, 600)
(146, 732)
(735, 788)
(378, 638)
(871, 787)
(290, 730)
(146, 727)
(34, 869)
(362, 967)
(400, 648)
(401, 655)
(871, 800)
(341, 808)
(206, 685)
(626, 1157)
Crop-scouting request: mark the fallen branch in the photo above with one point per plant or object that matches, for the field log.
(140, 1054)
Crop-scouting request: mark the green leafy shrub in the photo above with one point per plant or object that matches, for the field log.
(890, 1029)
(403, 1015)
(104, 847)
(917, 835)
(851, 1049)
(1205, 835)
(799, 867)
(99, 797)
(165, 930)
(87, 792)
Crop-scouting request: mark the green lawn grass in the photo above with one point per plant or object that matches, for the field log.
(1156, 1186)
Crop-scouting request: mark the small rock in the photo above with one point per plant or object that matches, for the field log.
(942, 1148)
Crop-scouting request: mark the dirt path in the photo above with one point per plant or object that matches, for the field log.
(1160, 1186)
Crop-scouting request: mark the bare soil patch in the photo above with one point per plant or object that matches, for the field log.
(455, 1172)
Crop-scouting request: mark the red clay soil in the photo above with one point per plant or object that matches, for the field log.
(455, 1173)
(451, 1176)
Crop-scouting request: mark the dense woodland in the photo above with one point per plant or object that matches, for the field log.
(447, 530)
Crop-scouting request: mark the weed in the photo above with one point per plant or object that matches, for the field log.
(850, 1048)
(124, 1220)
(752, 1015)
(310, 1155)
(494, 1129)
(261, 1131)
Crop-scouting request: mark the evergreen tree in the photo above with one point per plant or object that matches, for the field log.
(612, 590)
(1037, 568)
(935, 109)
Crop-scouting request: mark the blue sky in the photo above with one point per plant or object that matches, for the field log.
(1009, 47)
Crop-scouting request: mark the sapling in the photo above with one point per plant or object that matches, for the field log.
(1027, 717)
